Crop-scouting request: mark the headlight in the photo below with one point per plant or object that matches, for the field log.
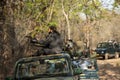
(102, 52)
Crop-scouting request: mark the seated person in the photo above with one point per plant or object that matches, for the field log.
(52, 44)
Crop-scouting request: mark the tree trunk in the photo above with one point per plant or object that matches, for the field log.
(67, 20)
(8, 40)
(2, 23)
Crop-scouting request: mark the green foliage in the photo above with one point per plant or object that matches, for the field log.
(34, 11)
(49, 12)
(52, 24)
(117, 3)
(92, 8)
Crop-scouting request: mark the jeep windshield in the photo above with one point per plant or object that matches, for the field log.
(102, 45)
(42, 67)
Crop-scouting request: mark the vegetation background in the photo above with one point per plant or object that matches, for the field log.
(84, 21)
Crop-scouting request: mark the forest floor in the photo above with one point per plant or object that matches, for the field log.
(109, 69)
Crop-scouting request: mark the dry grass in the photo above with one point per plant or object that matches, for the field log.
(109, 69)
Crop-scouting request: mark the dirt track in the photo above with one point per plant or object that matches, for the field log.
(109, 69)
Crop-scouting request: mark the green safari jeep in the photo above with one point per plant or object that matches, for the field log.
(47, 67)
(106, 49)
(53, 67)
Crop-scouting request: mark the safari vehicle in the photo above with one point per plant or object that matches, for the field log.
(50, 67)
(106, 49)
(55, 67)
(87, 68)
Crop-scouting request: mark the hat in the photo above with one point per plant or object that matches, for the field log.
(52, 27)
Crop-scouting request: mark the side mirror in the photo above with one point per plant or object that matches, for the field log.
(77, 71)
(8, 78)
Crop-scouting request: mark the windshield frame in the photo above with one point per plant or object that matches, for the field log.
(103, 45)
(46, 75)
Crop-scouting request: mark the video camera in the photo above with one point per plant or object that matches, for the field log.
(35, 42)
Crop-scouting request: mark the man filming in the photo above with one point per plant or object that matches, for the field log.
(52, 44)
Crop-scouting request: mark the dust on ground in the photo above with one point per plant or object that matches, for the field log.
(109, 69)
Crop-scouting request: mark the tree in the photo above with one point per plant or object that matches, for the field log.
(2, 22)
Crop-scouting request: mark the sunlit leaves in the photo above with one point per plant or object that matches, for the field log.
(117, 3)
(43, 11)
(33, 11)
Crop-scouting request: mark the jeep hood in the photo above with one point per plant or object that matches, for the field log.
(56, 78)
(99, 49)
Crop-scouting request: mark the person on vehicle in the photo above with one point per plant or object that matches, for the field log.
(71, 47)
(52, 44)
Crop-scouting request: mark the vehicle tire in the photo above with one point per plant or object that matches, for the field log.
(116, 55)
(106, 56)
